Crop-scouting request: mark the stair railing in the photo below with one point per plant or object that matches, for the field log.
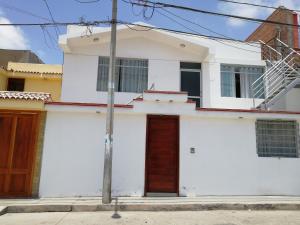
(276, 77)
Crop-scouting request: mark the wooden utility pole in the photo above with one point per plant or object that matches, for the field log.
(107, 174)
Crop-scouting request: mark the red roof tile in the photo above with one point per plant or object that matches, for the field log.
(25, 95)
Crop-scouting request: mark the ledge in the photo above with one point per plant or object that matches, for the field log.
(87, 104)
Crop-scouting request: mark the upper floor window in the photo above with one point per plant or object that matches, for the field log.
(236, 80)
(277, 138)
(15, 84)
(131, 74)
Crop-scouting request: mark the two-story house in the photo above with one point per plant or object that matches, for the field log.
(185, 124)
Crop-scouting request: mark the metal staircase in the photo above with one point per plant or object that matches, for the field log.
(282, 74)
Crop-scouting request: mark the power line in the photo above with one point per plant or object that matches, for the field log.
(57, 31)
(205, 28)
(257, 5)
(177, 32)
(92, 23)
(152, 4)
(4, 5)
(217, 40)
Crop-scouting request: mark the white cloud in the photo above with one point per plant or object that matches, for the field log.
(11, 37)
(253, 11)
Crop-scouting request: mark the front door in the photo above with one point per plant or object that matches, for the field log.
(162, 155)
(18, 133)
(190, 81)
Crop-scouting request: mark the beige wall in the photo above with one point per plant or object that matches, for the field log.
(3, 81)
(44, 85)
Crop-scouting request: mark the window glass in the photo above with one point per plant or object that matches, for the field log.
(131, 75)
(276, 138)
(237, 80)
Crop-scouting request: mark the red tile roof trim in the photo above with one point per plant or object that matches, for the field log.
(167, 92)
(25, 95)
(87, 104)
(245, 111)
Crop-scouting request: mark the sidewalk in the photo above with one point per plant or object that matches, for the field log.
(91, 204)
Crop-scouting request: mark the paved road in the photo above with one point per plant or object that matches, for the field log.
(153, 218)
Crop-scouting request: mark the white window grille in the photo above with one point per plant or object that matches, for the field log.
(131, 75)
(277, 138)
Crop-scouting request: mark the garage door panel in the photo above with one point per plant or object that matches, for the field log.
(5, 140)
(22, 142)
(18, 183)
(18, 133)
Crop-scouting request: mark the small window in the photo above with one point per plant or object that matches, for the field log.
(277, 138)
(131, 75)
(15, 84)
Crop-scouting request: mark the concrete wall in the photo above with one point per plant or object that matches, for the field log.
(81, 65)
(3, 82)
(73, 155)
(225, 162)
(44, 85)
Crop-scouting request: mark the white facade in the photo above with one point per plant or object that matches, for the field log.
(225, 161)
(164, 53)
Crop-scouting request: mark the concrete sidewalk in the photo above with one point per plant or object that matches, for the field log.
(91, 204)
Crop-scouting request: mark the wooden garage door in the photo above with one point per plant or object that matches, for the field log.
(162, 154)
(18, 132)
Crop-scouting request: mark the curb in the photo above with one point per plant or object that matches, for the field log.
(3, 210)
(149, 207)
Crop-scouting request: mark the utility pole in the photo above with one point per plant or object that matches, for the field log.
(107, 174)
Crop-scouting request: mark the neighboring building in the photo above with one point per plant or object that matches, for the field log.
(24, 88)
(280, 42)
(268, 33)
(163, 143)
(21, 56)
(28, 77)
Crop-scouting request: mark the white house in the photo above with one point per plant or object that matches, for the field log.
(185, 118)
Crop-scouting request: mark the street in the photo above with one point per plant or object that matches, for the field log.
(149, 218)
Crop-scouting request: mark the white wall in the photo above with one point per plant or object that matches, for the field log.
(72, 163)
(226, 163)
(80, 69)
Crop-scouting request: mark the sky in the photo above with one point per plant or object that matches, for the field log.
(43, 40)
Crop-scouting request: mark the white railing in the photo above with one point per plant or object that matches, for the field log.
(281, 72)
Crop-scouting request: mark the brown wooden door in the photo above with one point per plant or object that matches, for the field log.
(18, 133)
(162, 154)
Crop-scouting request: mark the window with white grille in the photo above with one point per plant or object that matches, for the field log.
(131, 74)
(236, 80)
(277, 138)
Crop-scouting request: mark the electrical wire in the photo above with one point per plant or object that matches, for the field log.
(196, 24)
(167, 5)
(257, 5)
(57, 31)
(13, 8)
(174, 20)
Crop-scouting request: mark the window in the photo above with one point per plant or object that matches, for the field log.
(131, 75)
(15, 84)
(190, 80)
(236, 80)
(277, 138)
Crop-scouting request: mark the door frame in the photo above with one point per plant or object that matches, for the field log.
(177, 117)
(201, 81)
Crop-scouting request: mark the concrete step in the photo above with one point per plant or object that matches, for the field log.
(152, 204)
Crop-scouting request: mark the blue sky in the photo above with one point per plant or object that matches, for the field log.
(70, 11)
